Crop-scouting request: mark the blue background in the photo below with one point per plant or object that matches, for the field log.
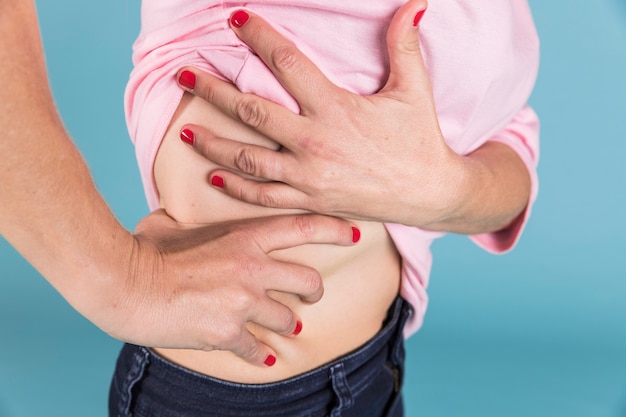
(538, 332)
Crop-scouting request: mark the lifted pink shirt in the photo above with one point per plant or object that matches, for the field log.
(482, 57)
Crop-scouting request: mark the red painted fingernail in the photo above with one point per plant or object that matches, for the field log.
(356, 235)
(298, 328)
(187, 79)
(270, 360)
(418, 17)
(239, 18)
(187, 136)
(217, 181)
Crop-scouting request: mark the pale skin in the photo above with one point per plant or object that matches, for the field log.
(324, 162)
(310, 159)
(166, 285)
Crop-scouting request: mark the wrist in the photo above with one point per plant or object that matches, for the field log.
(492, 190)
(473, 178)
(447, 194)
(97, 285)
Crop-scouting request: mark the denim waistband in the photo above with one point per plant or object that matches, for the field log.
(339, 381)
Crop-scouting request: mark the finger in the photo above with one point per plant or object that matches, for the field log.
(302, 281)
(297, 73)
(272, 315)
(246, 158)
(268, 118)
(287, 231)
(266, 194)
(406, 64)
(253, 351)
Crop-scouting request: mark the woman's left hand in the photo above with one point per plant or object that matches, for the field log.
(381, 157)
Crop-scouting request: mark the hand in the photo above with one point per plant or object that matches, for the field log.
(168, 285)
(198, 287)
(344, 155)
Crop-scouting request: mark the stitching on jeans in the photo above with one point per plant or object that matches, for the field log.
(140, 361)
(342, 390)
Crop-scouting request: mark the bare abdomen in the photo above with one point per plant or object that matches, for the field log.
(360, 282)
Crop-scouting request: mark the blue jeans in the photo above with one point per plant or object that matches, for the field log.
(363, 383)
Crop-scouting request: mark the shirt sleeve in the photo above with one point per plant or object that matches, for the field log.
(522, 135)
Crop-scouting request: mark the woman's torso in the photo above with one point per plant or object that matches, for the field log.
(475, 72)
(360, 282)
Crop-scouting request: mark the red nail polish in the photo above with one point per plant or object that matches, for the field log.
(187, 136)
(187, 79)
(418, 17)
(298, 328)
(270, 360)
(239, 18)
(217, 181)
(356, 235)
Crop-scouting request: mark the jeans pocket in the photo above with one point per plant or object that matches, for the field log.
(374, 398)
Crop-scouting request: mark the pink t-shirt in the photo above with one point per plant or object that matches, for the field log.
(482, 57)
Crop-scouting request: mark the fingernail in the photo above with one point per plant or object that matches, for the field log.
(187, 136)
(298, 328)
(418, 17)
(239, 18)
(356, 235)
(217, 181)
(270, 360)
(187, 79)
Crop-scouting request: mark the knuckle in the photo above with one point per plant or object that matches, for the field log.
(284, 58)
(245, 161)
(227, 336)
(316, 145)
(251, 350)
(231, 337)
(286, 322)
(266, 198)
(311, 283)
(251, 112)
(240, 302)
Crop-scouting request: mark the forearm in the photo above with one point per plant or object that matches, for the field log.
(50, 210)
(491, 191)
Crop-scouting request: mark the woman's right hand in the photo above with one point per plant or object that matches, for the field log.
(165, 286)
(198, 287)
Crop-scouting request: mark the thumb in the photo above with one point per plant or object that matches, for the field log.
(407, 72)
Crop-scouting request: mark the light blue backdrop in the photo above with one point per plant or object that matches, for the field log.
(538, 332)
